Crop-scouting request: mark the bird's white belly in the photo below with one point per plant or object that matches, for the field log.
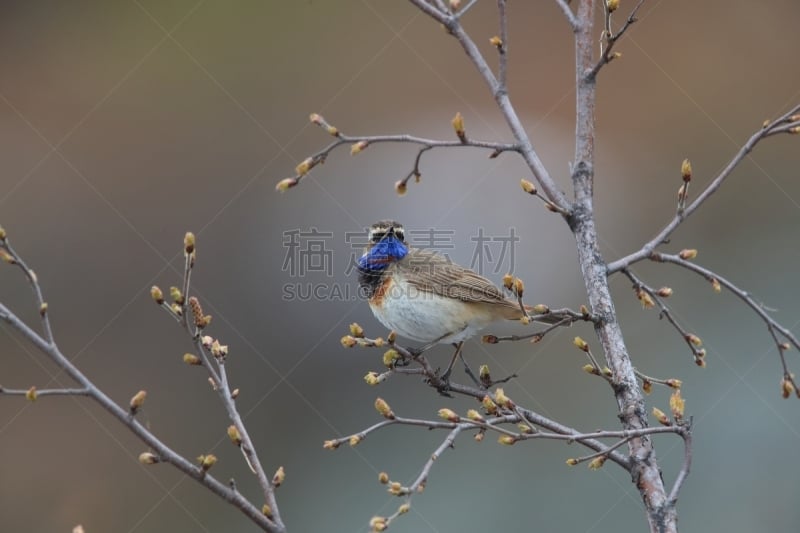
(427, 317)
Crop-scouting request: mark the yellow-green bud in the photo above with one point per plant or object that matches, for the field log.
(358, 147)
(156, 294)
(286, 184)
(597, 463)
(508, 440)
(449, 414)
(389, 357)
(528, 186)
(458, 126)
(686, 170)
(234, 435)
(348, 341)
(207, 461)
(147, 458)
(137, 400)
(188, 242)
(383, 408)
(661, 416)
(581, 344)
(279, 477)
(191, 359)
(677, 404)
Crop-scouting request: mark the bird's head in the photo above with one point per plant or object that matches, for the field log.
(386, 244)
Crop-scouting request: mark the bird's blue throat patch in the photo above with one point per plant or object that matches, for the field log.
(384, 253)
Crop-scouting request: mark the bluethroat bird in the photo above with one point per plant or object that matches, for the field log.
(422, 295)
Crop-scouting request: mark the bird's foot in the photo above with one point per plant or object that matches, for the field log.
(415, 352)
(441, 383)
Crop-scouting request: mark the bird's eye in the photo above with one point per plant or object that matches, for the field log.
(400, 234)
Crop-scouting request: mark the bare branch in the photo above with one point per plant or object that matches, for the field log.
(539, 171)
(564, 5)
(359, 143)
(466, 8)
(502, 47)
(652, 296)
(437, 15)
(773, 326)
(786, 123)
(686, 434)
(609, 38)
(160, 451)
(11, 256)
(36, 393)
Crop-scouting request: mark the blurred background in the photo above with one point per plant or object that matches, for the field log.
(125, 124)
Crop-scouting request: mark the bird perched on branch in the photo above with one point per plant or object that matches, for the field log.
(423, 296)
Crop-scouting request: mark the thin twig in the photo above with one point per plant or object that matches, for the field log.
(161, 452)
(525, 147)
(45, 392)
(502, 48)
(772, 325)
(359, 143)
(33, 281)
(778, 125)
(564, 5)
(665, 312)
(610, 38)
(686, 434)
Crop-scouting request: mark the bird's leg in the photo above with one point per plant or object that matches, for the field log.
(446, 376)
(416, 352)
(467, 368)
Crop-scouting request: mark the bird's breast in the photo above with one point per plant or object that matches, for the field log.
(424, 316)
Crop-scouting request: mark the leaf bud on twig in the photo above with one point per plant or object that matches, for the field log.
(686, 170)
(207, 461)
(147, 458)
(507, 440)
(786, 387)
(383, 408)
(234, 435)
(156, 294)
(661, 416)
(580, 344)
(137, 401)
(192, 359)
(677, 404)
(357, 148)
(286, 184)
(528, 186)
(458, 127)
(279, 477)
(449, 415)
(188, 243)
(597, 463)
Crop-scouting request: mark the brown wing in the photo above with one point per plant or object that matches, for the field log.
(432, 272)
